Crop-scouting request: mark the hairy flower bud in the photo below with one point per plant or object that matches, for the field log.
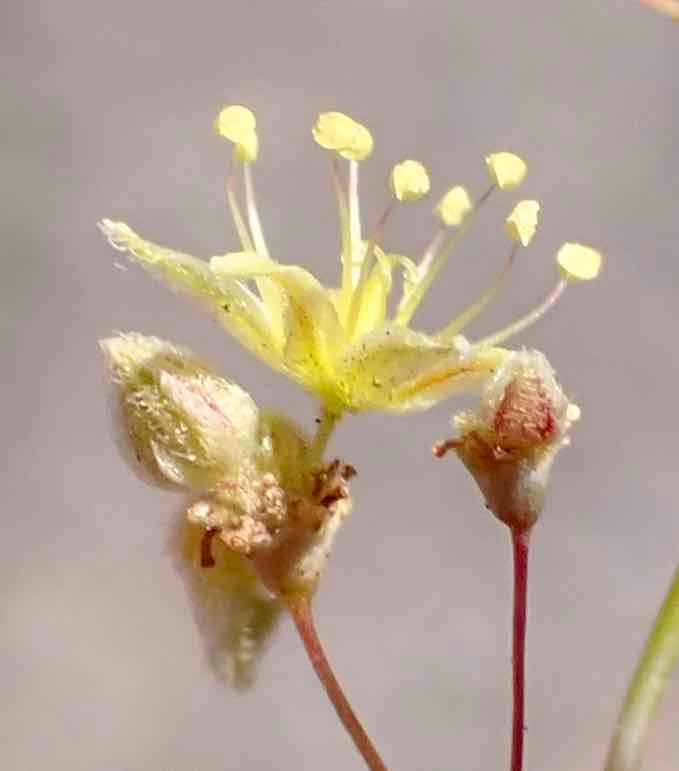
(235, 614)
(184, 424)
(264, 511)
(509, 443)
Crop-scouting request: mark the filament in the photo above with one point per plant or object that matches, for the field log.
(526, 321)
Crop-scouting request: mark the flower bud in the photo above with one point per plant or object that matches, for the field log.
(409, 181)
(509, 443)
(235, 615)
(184, 424)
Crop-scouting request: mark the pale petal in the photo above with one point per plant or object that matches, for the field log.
(371, 371)
(459, 374)
(397, 370)
(231, 304)
(376, 292)
(312, 329)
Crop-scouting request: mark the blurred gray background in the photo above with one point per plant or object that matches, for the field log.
(107, 111)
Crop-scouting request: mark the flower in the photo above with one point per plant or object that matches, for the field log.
(262, 511)
(510, 441)
(344, 344)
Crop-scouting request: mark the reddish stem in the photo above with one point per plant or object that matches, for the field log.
(301, 613)
(520, 543)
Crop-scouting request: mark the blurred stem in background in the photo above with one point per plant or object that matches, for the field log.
(668, 7)
(648, 684)
(661, 651)
(300, 610)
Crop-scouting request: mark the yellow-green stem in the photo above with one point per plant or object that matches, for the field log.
(648, 684)
(326, 426)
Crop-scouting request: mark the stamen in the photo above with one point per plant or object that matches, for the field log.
(253, 216)
(443, 446)
(345, 234)
(432, 263)
(430, 252)
(527, 320)
(268, 291)
(366, 262)
(354, 212)
(470, 313)
(236, 216)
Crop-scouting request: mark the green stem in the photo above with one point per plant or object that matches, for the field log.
(326, 426)
(648, 684)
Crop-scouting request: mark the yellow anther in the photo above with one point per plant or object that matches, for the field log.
(454, 206)
(578, 262)
(523, 221)
(409, 181)
(362, 146)
(337, 131)
(507, 170)
(238, 125)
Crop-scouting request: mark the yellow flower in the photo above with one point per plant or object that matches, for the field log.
(342, 343)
